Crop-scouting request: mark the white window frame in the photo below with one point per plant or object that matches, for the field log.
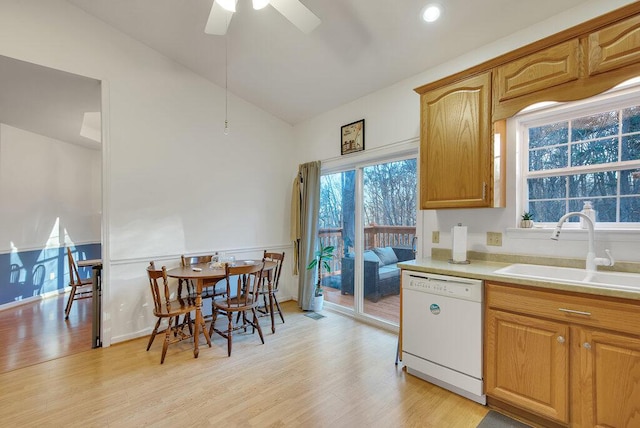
(623, 96)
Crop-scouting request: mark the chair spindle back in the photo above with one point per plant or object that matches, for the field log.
(74, 276)
(248, 283)
(275, 272)
(159, 291)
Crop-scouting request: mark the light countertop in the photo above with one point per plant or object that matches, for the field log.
(485, 270)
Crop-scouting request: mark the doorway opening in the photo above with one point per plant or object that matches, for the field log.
(51, 185)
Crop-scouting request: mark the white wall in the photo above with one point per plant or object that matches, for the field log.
(393, 115)
(47, 187)
(173, 182)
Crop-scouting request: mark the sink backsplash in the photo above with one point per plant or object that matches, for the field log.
(620, 266)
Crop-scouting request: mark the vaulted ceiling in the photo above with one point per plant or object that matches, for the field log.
(359, 47)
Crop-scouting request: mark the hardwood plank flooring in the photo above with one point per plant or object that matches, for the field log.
(332, 372)
(37, 332)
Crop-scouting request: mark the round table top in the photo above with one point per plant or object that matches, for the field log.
(89, 262)
(209, 272)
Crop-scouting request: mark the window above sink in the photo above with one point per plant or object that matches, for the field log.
(587, 150)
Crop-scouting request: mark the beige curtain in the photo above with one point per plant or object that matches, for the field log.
(309, 176)
(295, 221)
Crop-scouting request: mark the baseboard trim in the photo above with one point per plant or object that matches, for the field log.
(14, 304)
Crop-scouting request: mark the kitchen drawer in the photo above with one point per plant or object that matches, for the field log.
(601, 312)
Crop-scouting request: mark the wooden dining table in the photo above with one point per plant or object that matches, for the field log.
(89, 263)
(209, 273)
(96, 305)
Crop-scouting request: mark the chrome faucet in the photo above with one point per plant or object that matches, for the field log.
(592, 261)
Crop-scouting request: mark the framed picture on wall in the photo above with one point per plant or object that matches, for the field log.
(352, 137)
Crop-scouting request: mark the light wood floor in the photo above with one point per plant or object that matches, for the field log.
(333, 372)
(37, 332)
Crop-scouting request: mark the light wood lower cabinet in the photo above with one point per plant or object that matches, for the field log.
(571, 364)
(527, 363)
(607, 370)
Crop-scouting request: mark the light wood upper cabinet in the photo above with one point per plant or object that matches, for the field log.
(575, 69)
(615, 46)
(550, 67)
(461, 163)
(455, 148)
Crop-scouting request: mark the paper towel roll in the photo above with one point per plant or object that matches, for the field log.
(459, 247)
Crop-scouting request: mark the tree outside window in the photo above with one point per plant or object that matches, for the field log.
(594, 157)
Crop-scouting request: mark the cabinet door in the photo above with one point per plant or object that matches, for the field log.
(615, 46)
(455, 151)
(609, 372)
(541, 70)
(527, 363)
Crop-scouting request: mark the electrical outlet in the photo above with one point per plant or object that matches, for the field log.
(494, 239)
(435, 237)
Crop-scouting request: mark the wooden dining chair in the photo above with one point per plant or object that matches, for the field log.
(81, 288)
(166, 308)
(209, 290)
(269, 289)
(189, 261)
(243, 286)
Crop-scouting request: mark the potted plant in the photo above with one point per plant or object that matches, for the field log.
(321, 259)
(527, 220)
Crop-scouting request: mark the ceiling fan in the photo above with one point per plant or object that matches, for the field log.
(222, 11)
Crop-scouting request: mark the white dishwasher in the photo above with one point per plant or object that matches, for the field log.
(442, 320)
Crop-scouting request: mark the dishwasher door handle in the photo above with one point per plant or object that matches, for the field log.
(450, 280)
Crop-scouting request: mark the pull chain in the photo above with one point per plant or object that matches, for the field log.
(226, 85)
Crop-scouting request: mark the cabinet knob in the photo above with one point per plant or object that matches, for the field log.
(560, 339)
(586, 345)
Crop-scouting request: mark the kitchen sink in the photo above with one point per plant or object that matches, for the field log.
(611, 280)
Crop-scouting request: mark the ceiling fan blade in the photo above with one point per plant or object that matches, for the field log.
(298, 14)
(218, 21)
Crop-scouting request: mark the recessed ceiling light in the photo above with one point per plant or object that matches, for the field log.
(432, 12)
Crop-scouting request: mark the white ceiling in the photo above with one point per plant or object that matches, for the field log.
(360, 46)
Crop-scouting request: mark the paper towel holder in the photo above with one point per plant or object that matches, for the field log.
(453, 260)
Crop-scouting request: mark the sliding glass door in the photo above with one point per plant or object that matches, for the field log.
(388, 229)
(369, 214)
(337, 227)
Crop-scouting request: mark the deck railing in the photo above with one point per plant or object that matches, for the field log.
(374, 236)
(388, 236)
